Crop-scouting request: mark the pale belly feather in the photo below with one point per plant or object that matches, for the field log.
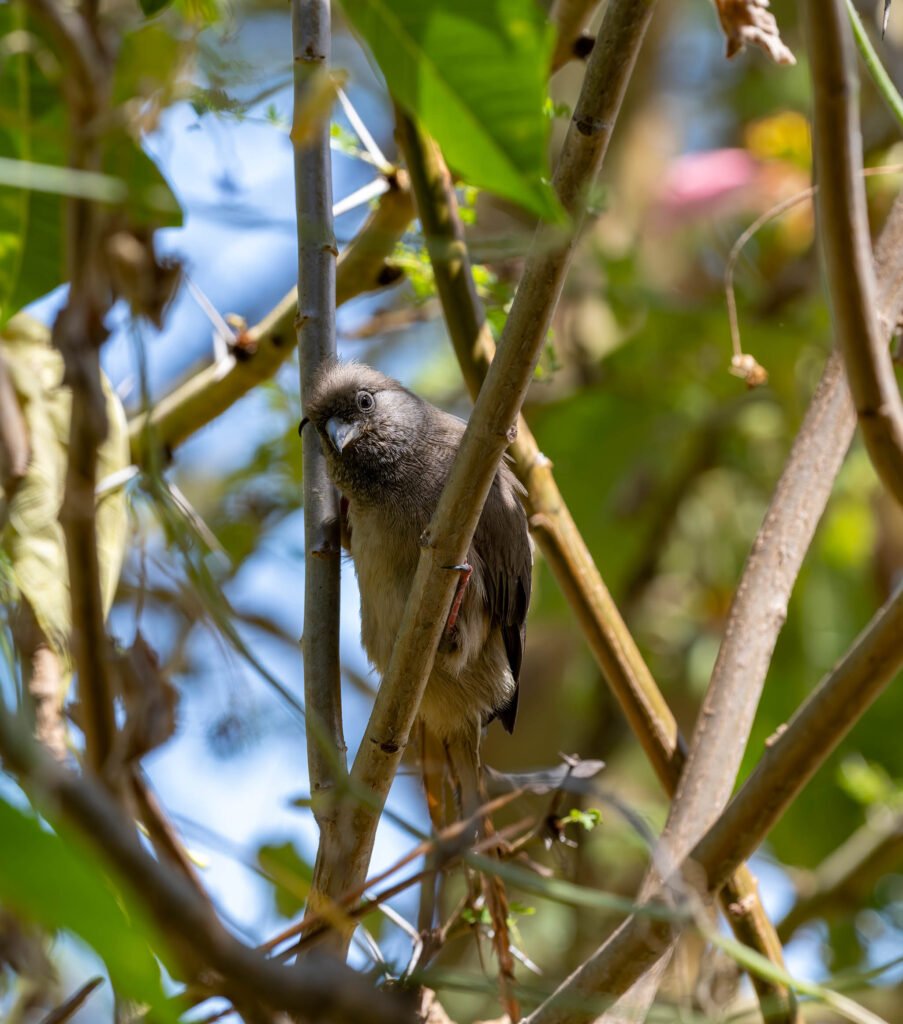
(465, 685)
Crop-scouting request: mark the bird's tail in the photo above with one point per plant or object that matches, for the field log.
(463, 759)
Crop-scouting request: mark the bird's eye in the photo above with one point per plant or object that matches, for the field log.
(365, 401)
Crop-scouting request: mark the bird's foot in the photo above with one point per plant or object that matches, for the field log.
(449, 640)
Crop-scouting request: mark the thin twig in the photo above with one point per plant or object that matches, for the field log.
(844, 230)
(67, 1010)
(266, 346)
(559, 537)
(317, 253)
(883, 82)
(162, 835)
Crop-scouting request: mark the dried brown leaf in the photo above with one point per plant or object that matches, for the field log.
(750, 23)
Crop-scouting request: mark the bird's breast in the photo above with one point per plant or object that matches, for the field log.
(385, 550)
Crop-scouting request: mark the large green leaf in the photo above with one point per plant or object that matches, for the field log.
(474, 73)
(33, 130)
(54, 881)
(33, 538)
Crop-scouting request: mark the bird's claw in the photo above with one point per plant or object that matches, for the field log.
(450, 634)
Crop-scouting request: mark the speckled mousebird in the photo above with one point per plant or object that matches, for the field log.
(389, 452)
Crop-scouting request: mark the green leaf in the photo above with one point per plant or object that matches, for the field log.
(53, 880)
(290, 873)
(33, 538)
(33, 130)
(589, 818)
(474, 73)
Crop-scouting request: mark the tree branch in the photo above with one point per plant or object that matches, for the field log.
(361, 267)
(318, 989)
(844, 230)
(798, 751)
(79, 333)
(789, 761)
(616, 653)
(490, 430)
(317, 253)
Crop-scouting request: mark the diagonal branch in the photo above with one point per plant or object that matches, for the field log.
(844, 229)
(361, 267)
(490, 430)
(786, 766)
(753, 625)
(559, 538)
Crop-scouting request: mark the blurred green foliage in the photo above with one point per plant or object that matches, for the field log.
(667, 461)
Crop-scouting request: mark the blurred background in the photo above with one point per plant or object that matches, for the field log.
(666, 460)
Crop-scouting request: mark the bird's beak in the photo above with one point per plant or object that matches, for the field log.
(341, 433)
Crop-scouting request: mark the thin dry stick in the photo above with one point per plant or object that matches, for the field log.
(160, 830)
(840, 883)
(317, 254)
(786, 766)
(472, 340)
(490, 430)
(325, 989)
(79, 333)
(730, 296)
(844, 231)
(67, 1010)
(361, 267)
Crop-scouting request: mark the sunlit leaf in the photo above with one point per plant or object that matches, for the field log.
(33, 537)
(290, 873)
(474, 73)
(33, 130)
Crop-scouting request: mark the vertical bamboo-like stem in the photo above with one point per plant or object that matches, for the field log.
(844, 233)
(315, 325)
(610, 640)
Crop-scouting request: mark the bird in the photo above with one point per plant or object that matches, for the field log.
(389, 453)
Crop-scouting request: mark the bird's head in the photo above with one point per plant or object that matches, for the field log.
(368, 425)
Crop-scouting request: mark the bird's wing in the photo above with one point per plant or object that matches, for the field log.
(502, 543)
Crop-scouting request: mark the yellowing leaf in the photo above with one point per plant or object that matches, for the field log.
(33, 537)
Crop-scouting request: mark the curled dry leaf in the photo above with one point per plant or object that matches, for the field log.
(150, 702)
(750, 23)
(32, 538)
(746, 368)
